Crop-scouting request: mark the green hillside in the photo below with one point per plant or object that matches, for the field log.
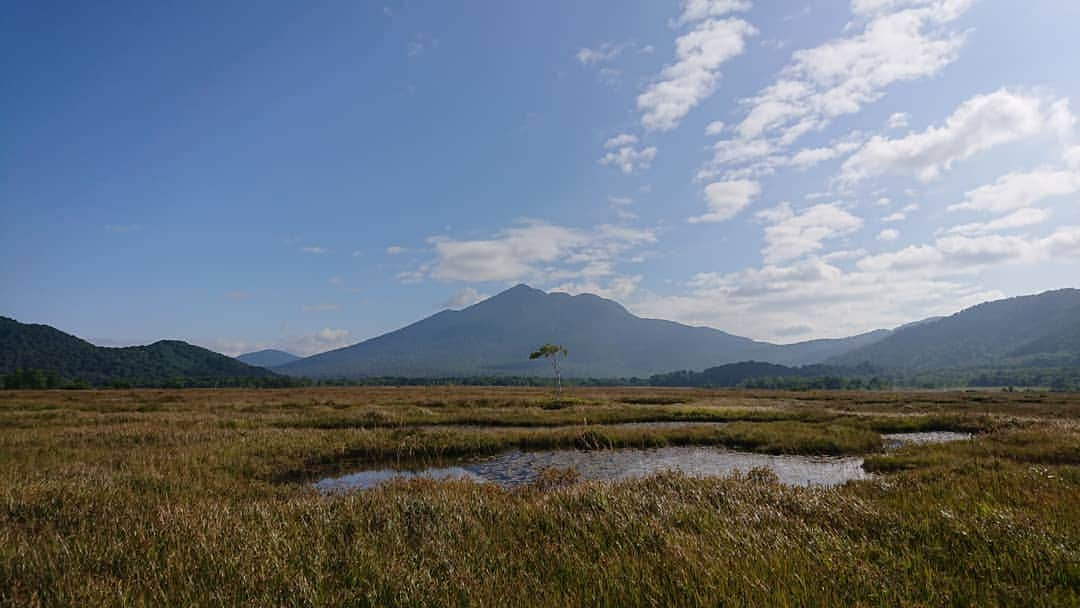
(70, 359)
(1038, 330)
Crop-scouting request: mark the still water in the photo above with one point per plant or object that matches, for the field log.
(515, 467)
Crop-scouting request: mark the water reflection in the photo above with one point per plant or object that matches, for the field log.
(515, 467)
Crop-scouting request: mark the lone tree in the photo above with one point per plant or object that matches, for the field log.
(552, 352)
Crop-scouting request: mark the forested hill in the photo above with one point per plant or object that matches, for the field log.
(69, 359)
(1029, 331)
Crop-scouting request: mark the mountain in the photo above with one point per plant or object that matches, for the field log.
(267, 358)
(495, 336)
(45, 348)
(1038, 330)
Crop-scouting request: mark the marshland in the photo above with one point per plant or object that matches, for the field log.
(210, 497)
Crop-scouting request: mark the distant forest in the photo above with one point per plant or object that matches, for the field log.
(748, 375)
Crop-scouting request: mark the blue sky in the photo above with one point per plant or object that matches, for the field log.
(305, 176)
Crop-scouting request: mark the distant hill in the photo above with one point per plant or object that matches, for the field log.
(494, 337)
(267, 358)
(45, 348)
(1038, 330)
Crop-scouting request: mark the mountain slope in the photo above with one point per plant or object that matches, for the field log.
(45, 348)
(1043, 329)
(494, 337)
(267, 358)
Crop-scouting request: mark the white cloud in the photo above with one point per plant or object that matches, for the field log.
(889, 234)
(616, 288)
(464, 298)
(757, 301)
(812, 156)
(978, 124)
(692, 78)
(319, 307)
(882, 290)
(1019, 190)
(727, 199)
(621, 140)
(1016, 219)
(629, 159)
(790, 235)
(315, 250)
(536, 251)
(338, 281)
(898, 120)
(621, 205)
(909, 258)
(950, 255)
(309, 344)
(395, 250)
(303, 345)
(696, 10)
(1072, 158)
(603, 53)
(715, 127)
(901, 41)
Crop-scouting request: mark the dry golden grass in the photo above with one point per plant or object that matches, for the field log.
(200, 497)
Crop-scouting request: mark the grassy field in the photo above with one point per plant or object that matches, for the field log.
(203, 497)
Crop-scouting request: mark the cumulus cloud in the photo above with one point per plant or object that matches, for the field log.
(963, 253)
(757, 301)
(696, 10)
(316, 342)
(535, 250)
(692, 78)
(464, 298)
(303, 344)
(715, 127)
(627, 158)
(882, 290)
(727, 199)
(616, 288)
(898, 120)
(790, 234)
(901, 41)
(603, 53)
(1019, 190)
(621, 140)
(395, 250)
(1016, 219)
(889, 234)
(978, 124)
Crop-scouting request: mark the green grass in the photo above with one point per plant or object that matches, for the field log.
(201, 498)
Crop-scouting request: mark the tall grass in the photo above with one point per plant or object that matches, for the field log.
(200, 498)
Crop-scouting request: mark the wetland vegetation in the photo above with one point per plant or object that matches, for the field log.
(207, 497)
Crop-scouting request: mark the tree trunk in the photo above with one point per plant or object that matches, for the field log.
(558, 376)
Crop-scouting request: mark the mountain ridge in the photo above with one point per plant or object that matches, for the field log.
(47, 349)
(494, 337)
(1039, 329)
(267, 357)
